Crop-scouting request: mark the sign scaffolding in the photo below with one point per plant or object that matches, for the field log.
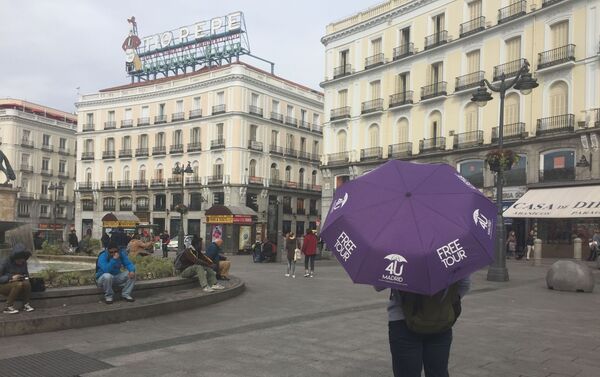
(204, 44)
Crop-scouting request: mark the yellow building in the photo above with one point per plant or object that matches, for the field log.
(252, 138)
(399, 78)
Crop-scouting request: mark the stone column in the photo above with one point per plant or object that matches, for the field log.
(577, 248)
(537, 252)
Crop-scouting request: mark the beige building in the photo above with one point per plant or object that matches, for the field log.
(253, 140)
(39, 142)
(399, 79)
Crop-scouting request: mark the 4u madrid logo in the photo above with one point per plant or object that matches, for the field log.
(395, 268)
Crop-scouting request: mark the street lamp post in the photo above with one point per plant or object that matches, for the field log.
(180, 170)
(54, 187)
(523, 82)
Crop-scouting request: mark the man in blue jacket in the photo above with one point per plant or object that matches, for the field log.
(108, 273)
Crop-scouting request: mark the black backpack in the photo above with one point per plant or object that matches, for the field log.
(431, 314)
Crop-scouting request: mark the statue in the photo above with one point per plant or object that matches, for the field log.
(6, 168)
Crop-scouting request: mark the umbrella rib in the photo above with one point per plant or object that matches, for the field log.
(351, 216)
(421, 242)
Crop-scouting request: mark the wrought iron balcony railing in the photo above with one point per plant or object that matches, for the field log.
(85, 186)
(432, 144)
(176, 181)
(193, 181)
(160, 119)
(64, 151)
(255, 110)
(126, 123)
(254, 180)
(197, 113)
(88, 127)
(157, 182)
(403, 51)
(177, 116)
(109, 155)
(374, 60)
(160, 150)
(436, 39)
(123, 185)
(400, 99)
(512, 11)
(339, 158)
(217, 144)
(547, 3)
(375, 153)
(107, 185)
(275, 149)
(509, 69)
(471, 27)
(277, 117)
(142, 152)
(372, 106)
(143, 121)
(289, 120)
(176, 149)
(556, 56)
(27, 143)
(85, 156)
(125, 153)
(433, 90)
(194, 147)
(140, 184)
(400, 150)
(468, 139)
(341, 71)
(255, 145)
(469, 81)
(219, 109)
(26, 168)
(212, 179)
(291, 152)
(340, 113)
(510, 131)
(47, 148)
(111, 125)
(555, 124)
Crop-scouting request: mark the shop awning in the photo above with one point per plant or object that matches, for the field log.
(220, 214)
(558, 202)
(124, 220)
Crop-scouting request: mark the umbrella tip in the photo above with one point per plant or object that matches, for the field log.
(408, 194)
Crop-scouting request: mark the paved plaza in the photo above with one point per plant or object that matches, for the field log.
(328, 326)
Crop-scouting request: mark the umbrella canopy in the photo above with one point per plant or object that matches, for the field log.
(409, 226)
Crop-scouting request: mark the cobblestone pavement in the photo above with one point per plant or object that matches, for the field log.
(328, 326)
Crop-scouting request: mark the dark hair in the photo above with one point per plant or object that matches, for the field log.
(112, 245)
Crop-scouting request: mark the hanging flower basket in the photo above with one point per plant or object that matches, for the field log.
(181, 208)
(501, 159)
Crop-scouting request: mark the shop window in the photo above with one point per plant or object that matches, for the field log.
(472, 171)
(557, 166)
(195, 201)
(160, 202)
(517, 175)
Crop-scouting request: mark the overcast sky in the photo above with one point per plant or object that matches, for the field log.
(49, 48)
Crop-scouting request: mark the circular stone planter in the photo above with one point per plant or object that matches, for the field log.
(570, 276)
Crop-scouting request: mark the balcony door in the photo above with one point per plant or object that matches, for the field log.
(513, 49)
(435, 73)
(558, 99)
(438, 25)
(375, 90)
(560, 34)
(402, 81)
(473, 61)
(512, 109)
(474, 9)
(471, 117)
(343, 98)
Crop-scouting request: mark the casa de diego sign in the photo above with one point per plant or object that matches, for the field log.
(205, 43)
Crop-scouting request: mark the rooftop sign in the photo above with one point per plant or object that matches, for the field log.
(205, 43)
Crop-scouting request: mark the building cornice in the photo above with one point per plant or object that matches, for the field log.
(37, 123)
(377, 20)
(200, 85)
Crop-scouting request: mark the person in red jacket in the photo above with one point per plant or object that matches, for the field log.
(309, 249)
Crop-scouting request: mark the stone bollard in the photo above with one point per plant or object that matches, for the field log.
(566, 275)
(537, 252)
(577, 248)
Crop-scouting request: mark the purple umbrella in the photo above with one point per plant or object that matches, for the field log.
(409, 226)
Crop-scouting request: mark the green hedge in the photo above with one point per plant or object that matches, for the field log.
(147, 268)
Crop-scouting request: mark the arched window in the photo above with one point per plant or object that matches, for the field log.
(512, 109)
(274, 172)
(126, 176)
(341, 141)
(301, 176)
(196, 167)
(373, 136)
(159, 173)
(559, 99)
(288, 173)
(88, 175)
(314, 177)
(435, 125)
(109, 175)
(402, 130)
(471, 117)
(252, 168)
(142, 173)
(218, 169)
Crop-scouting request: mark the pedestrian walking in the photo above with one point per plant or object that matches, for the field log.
(511, 244)
(291, 244)
(309, 249)
(165, 239)
(73, 241)
(529, 243)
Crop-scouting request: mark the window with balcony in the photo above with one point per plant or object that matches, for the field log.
(440, 35)
(435, 86)
(341, 141)
(274, 172)
(561, 50)
(108, 204)
(558, 165)
(344, 68)
(473, 171)
(252, 168)
(274, 138)
(376, 58)
(288, 173)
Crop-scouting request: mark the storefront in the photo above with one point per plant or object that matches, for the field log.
(558, 215)
(236, 226)
(127, 222)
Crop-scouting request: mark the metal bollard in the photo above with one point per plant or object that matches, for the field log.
(537, 252)
(577, 248)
